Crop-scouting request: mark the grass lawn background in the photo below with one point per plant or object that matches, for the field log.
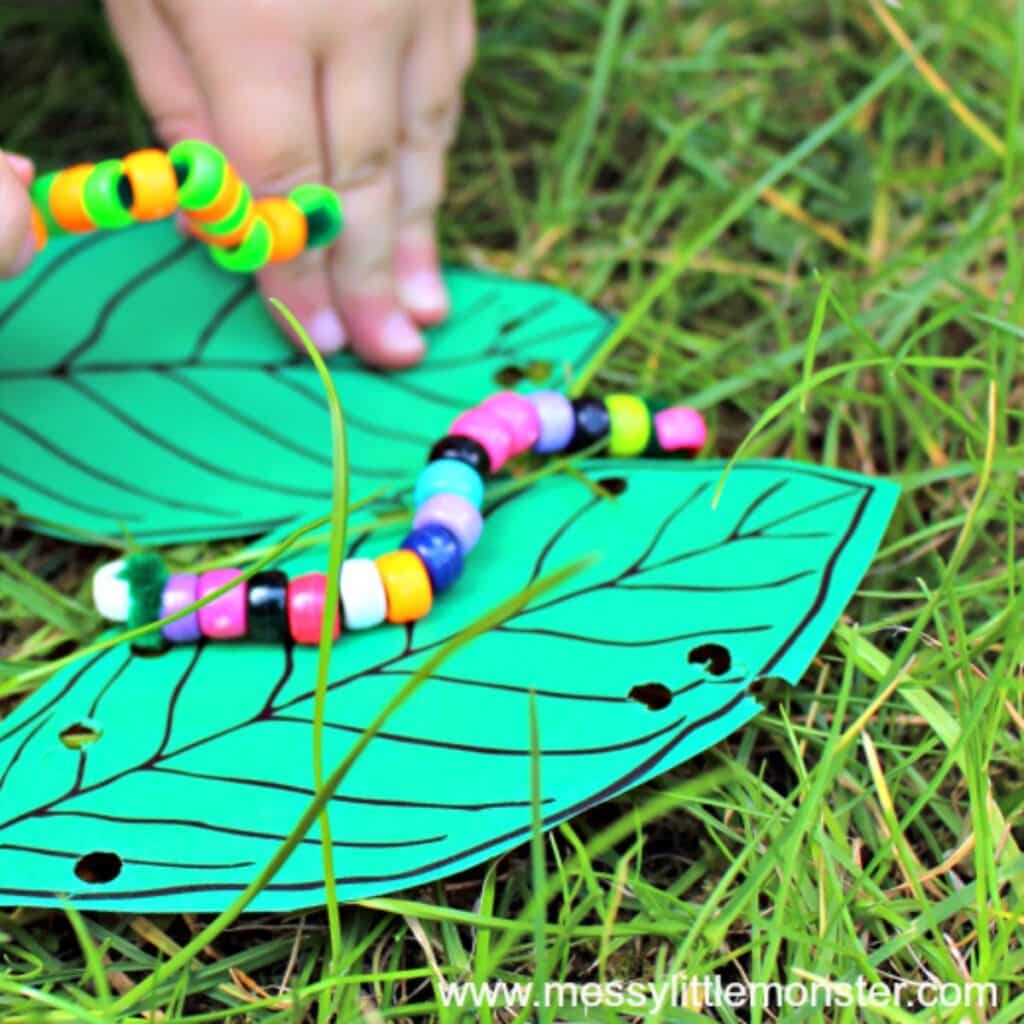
(766, 191)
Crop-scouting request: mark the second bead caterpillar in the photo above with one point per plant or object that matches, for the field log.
(398, 586)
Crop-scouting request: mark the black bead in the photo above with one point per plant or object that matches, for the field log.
(465, 449)
(592, 423)
(267, 602)
(654, 449)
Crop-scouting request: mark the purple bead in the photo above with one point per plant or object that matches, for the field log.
(455, 513)
(180, 592)
(557, 422)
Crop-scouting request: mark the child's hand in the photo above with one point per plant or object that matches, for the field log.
(363, 95)
(17, 242)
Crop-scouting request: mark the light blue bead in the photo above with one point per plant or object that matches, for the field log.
(449, 476)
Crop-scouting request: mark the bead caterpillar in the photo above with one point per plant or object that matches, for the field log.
(242, 233)
(398, 586)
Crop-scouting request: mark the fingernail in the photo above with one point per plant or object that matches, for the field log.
(326, 331)
(423, 292)
(400, 336)
(25, 255)
(21, 165)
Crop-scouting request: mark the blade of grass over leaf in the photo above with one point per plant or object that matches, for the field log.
(332, 609)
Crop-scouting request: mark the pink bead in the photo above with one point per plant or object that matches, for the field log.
(486, 429)
(225, 617)
(518, 415)
(680, 428)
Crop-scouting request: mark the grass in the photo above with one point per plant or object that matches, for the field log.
(806, 214)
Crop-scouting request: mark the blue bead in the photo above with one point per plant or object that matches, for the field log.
(440, 553)
(449, 476)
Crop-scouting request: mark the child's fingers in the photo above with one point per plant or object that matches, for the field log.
(24, 169)
(431, 101)
(361, 114)
(261, 96)
(161, 70)
(17, 241)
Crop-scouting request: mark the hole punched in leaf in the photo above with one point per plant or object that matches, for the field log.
(714, 657)
(80, 734)
(655, 696)
(614, 485)
(98, 867)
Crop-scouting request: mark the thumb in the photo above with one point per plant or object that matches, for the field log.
(17, 240)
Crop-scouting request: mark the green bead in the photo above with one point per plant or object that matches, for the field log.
(252, 254)
(200, 169)
(235, 219)
(40, 193)
(101, 198)
(322, 209)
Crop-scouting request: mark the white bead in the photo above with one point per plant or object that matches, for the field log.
(110, 593)
(363, 598)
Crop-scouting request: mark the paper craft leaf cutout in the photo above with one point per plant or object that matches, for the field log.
(203, 761)
(143, 388)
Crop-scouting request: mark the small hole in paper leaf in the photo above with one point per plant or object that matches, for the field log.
(714, 657)
(655, 696)
(615, 485)
(80, 734)
(98, 867)
(509, 376)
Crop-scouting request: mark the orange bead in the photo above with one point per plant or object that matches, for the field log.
(226, 201)
(154, 186)
(65, 198)
(39, 228)
(287, 227)
(232, 238)
(406, 584)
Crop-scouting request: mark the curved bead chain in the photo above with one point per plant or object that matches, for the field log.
(242, 233)
(398, 586)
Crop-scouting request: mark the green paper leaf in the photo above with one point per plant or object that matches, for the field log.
(203, 763)
(142, 388)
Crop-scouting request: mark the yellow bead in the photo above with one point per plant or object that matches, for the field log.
(630, 425)
(406, 584)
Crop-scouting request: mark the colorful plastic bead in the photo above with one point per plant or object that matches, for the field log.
(487, 430)
(180, 591)
(102, 198)
(227, 199)
(322, 209)
(557, 421)
(233, 223)
(448, 476)
(519, 416)
(267, 607)
(39, 230)
(39, 190)
(440, 553)
(306, 596)
(224, 618)
(465, 449)
(592, 422)
(407, 585)
(680, 429)
(111, 592)
(287, 225)
(149, 184)
(200, 170)
(251, 255)
(66, 199)
(364, 601)
(630, 425)
(455, 513)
